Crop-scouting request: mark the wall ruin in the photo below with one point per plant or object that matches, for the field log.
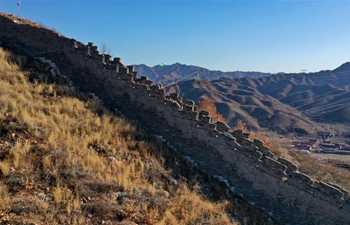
(248, 168)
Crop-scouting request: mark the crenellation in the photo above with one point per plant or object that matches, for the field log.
(246, 142)
(157, 90)
(248, 145)
(103, 61)
(112, 66)
(205, 124)
(291, 167)
(228, 135)
(148, 82)
(124, 70)
(188, 108)
(334, 185)
(188, 113)
(329, 190)
(247, 165)
(124, 76)
(132, 69)
(107, 58)
(172, 104)
(222, 126)
(258, 143)
(345, 193)
(275, 165)
(175, 97)
(239, 135)
(94, 49)
(265, 150)
(346, 196)
(141, 80)
(133, 75)
(302, 178)
(189, 102)
(207, 119)
(202, 114)
(117, 68)
(256, 154)
(142, 88)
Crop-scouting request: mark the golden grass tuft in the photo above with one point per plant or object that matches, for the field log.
(5, 168)
(193, 209)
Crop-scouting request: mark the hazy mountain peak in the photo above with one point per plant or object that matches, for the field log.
(343, 68)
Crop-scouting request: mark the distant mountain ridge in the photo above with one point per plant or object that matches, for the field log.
(169, 74)
(279, 102)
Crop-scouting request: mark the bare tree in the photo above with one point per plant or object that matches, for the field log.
(105, 49)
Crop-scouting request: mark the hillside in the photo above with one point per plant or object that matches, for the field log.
(278, 102)
(281, 103)
(210, 158)
(169, 74)
(324, 98)
(65, 159)
(242, 101)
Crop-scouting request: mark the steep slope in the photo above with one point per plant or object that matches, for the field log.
(65, 159)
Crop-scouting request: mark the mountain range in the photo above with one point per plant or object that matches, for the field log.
(170, 74)
(304, 102)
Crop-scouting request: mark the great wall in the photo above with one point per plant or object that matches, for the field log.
(248, 168)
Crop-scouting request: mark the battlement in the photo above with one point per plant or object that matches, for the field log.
(248, 167)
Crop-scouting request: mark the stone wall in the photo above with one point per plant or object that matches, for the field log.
(248, 168)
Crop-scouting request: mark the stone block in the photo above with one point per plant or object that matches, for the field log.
(258, 143)
(206, 119)
(148, 82)
(274, 165)
(222, 126)
(329, 190)
(245, 142)
(189, 102)
(131, 68)
(204, 113)
(291, 166)
(188, 108)
(302, 178)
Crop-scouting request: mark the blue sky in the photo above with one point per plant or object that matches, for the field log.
(266, 36)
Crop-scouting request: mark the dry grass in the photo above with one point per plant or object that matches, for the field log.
(322, 172)
(58, 163)
(186, 208)
(307, 165)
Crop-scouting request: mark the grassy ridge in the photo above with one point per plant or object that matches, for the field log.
(65, 159)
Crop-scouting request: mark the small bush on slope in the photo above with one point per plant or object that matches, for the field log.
(209, 105)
